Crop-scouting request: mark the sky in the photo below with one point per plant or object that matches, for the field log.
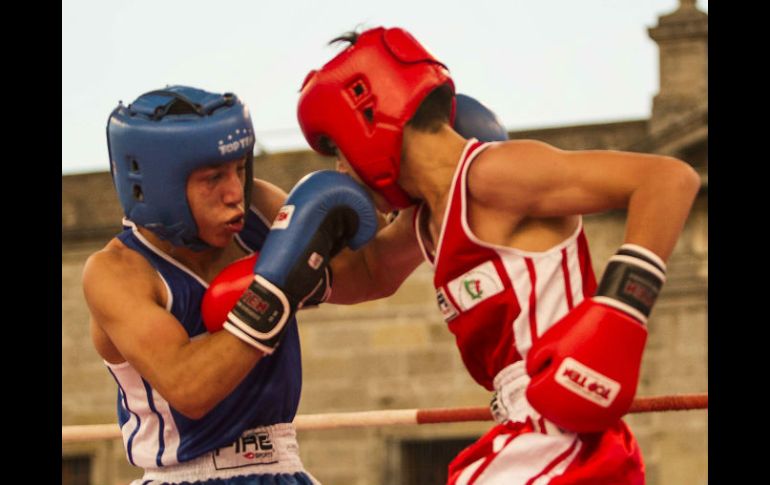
(536, 63)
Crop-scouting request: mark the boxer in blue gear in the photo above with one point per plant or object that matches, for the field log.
(197, 406)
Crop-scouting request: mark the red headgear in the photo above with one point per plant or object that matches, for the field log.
(362, 99)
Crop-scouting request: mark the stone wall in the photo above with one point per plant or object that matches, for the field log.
(609, 136)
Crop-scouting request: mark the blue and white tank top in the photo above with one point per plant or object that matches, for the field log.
(154, 433)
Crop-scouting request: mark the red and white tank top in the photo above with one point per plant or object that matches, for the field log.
(498, 300)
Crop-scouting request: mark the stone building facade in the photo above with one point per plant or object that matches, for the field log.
(396, 353)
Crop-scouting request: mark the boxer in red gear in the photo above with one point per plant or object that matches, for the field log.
(501, 224)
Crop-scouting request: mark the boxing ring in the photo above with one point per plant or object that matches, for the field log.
(400, 417)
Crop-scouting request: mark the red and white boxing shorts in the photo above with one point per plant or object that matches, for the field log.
(525, 449)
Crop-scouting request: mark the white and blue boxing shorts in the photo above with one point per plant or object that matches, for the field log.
(267, 455)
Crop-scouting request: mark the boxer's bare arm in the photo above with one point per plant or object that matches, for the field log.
(126, 300)
(527, 178)
(378, 269)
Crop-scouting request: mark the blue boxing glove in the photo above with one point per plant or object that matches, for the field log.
(475, 120)
(323, 213)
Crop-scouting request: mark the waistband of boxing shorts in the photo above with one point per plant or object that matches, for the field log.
(509, 402)
(266, 450)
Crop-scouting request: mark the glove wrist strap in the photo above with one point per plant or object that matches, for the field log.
(321, 293)
(259, 318)
(632, 281)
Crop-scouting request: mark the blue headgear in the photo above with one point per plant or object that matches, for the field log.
(159, 139)
(474, 120)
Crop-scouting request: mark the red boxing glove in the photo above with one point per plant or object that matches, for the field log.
(227, 287)
(225, 290)
(584, 370)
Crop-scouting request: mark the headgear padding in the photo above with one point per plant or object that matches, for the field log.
(159, 139)
(362, 99)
